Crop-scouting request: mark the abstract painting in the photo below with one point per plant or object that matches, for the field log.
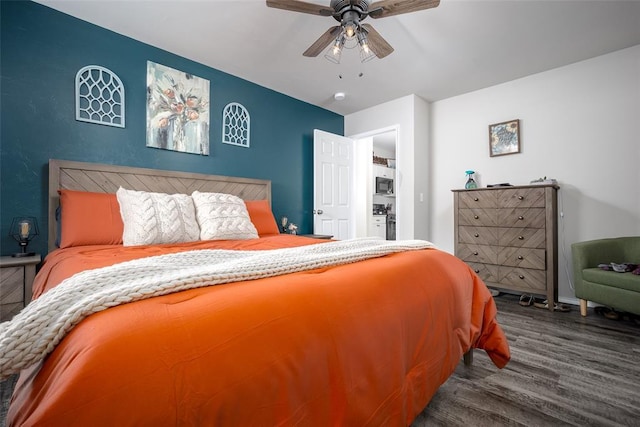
(177, 110)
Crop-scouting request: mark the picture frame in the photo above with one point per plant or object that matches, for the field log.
(504, 138)
(177, 110)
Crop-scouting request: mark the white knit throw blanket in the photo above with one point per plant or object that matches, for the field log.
(37, 329)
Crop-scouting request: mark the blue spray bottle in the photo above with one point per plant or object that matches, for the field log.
(471, 183)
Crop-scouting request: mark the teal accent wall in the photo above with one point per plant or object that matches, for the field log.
(42, 50)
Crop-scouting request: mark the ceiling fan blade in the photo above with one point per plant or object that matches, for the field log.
(384, 8)
(377, 43)
(300, 6)
(325, 40)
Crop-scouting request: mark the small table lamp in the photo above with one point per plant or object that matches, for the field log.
(23, 229)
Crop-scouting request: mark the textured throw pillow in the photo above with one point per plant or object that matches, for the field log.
(262, 217)
(153, 218)
(222, 217)
(88, 218)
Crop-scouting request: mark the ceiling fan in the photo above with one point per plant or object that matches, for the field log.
(350, 14)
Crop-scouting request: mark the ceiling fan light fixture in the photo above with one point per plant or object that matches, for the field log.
(350, 29)
(334, 54)
(366, 54)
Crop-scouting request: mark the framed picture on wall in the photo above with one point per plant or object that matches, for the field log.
(177, 110)
(504, 138)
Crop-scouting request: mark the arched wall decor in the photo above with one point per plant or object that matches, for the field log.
(235, 125)
(99, 96)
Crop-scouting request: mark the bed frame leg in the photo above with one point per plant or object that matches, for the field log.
(468, 357)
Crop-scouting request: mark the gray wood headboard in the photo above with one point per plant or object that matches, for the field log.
(100, 178)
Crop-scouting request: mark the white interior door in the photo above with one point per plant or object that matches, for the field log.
(333, 185)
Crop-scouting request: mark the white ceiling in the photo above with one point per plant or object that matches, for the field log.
(458, 47)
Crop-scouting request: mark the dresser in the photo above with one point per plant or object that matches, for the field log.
(509, 236)
(16, 279)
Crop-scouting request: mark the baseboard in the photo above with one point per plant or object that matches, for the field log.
(564, 300)
(576, 301)
(572, 301)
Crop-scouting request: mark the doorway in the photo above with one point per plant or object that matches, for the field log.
(377, 156)
(358, 178)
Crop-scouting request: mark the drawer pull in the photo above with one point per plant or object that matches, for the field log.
(475, 253)
(520, 217)
(520, 237)
(475, 199)
(476, 235)
(477, 271)
(521, 276)
(520, 198)
(520, 257)
(476, 217)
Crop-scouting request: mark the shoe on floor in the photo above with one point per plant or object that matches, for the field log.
(526, 300)
(607, 312)
(556, 307)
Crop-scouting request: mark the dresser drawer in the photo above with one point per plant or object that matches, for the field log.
(11, 292)
(521, 198)
(487, 272)
(7, 311)
(16, 279)
(522, 217)
(477, 199)
(523, 279)
(478, 217)
(477, 253)
(12, 285)
(522, 257)
(522, 237)
(478, 235)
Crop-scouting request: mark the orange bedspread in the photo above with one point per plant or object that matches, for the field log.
(359, 344)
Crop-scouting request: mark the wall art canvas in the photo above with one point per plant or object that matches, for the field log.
(504, 138)
(177, 110)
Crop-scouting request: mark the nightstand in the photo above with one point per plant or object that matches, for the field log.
(16, 279)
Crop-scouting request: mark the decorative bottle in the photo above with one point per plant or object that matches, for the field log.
(471, 183)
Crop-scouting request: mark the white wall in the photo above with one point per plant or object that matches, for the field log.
(579, 124)
(382, 152)
(412, 151)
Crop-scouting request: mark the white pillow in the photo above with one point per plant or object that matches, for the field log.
(223, 217)
(153, 218)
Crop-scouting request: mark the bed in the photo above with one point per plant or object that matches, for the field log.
(363, 342)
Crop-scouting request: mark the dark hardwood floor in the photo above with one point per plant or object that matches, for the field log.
(564, 370)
